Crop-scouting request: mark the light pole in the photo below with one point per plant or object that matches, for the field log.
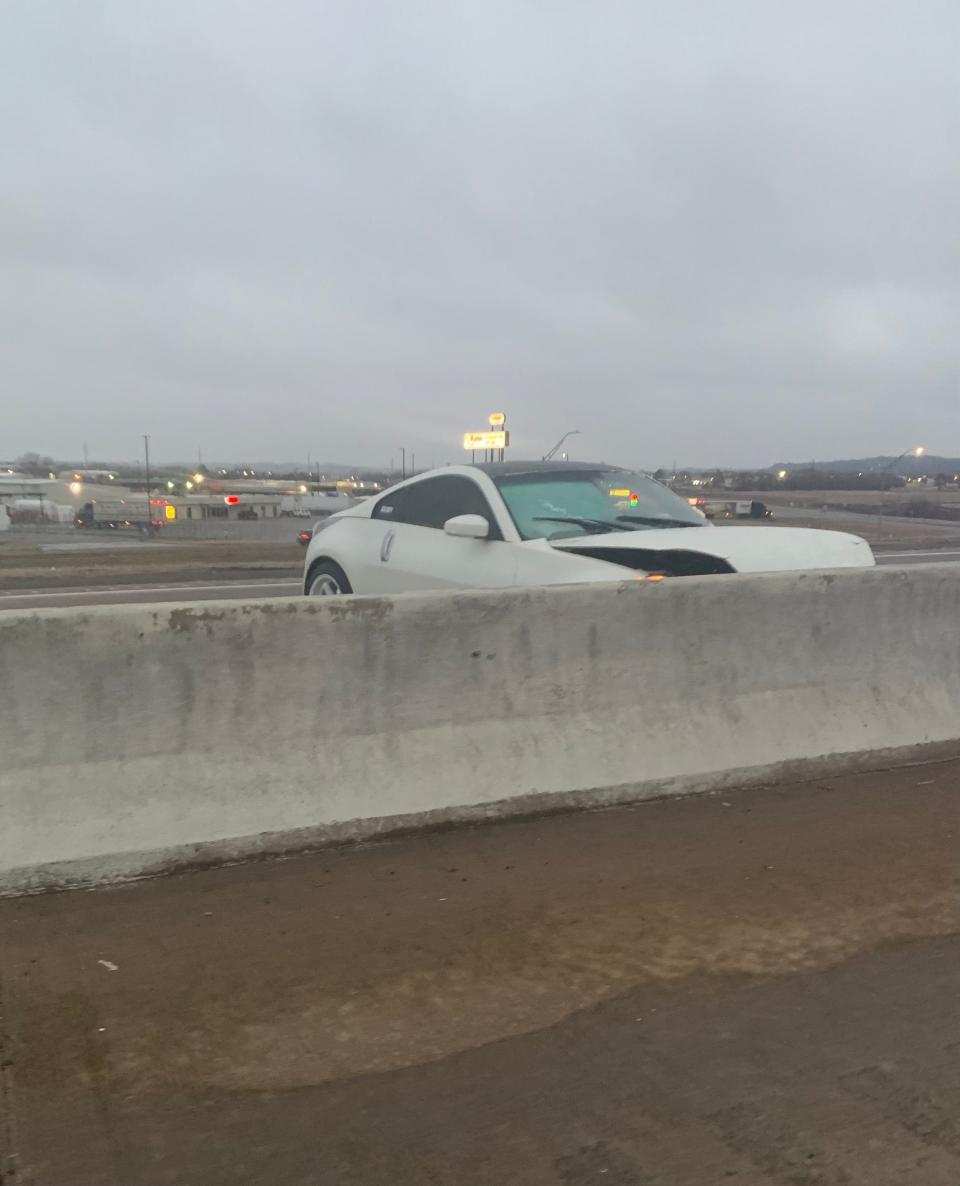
(916, 451)
(146, 466)
(575, 432)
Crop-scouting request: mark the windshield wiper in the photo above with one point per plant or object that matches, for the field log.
(653, 522)
(596, 525)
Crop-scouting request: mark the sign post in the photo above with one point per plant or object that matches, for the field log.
(498, 422)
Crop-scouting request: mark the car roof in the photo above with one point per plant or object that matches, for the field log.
(499, 469)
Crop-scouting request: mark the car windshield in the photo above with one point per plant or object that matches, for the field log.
(559, 504)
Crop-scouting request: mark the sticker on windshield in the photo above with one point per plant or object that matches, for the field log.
(630, 496)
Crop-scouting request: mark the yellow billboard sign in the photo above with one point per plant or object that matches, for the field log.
(498, 419)
(486, 440)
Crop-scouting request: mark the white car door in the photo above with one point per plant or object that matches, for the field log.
(418, 554)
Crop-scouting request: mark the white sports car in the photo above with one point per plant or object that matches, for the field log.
(545, 523)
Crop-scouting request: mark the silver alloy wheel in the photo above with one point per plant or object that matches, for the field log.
(325, 585)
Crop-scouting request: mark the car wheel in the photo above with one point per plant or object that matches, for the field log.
(327, 579)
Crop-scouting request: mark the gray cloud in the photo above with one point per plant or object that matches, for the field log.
(721, 233)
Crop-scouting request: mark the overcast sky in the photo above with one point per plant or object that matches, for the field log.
(718, 232)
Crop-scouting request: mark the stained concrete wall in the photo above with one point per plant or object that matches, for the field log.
(139, 738)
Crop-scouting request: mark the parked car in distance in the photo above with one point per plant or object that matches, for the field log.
(545, 523)
(741, 508)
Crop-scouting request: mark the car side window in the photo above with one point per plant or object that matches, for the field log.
(391, 506)
(433, 501)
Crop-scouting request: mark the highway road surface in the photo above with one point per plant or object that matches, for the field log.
(750, 989)
(140, 594)
(929, 557)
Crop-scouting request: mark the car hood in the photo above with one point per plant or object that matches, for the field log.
(744, 549)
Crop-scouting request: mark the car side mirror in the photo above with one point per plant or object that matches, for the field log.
(467, 527)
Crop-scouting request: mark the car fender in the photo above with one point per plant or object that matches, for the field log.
(354, 543)
(330, 542)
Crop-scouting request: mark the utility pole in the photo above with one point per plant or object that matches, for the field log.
(403, 464)
(413, 465)
(146, 466)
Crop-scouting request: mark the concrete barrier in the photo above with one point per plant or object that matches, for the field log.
(283, 530)
(140, 738)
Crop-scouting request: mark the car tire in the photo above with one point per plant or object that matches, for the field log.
(327, 579)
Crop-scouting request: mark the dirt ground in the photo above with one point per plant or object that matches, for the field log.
(856, 511)
(887, 534)
(27, 566)
(949, 496)
(755, 989)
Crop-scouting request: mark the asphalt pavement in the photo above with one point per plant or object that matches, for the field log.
(751, 989)
(928, 557)
(145, 594)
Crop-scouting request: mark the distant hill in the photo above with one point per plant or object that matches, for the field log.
(911, 466)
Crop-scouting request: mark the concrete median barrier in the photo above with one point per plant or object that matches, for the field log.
(143, 738)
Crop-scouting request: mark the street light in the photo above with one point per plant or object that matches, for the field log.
(916, 451)
(146, 458)
(575, 432)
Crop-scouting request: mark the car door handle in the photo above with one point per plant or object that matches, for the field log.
(386, 546)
